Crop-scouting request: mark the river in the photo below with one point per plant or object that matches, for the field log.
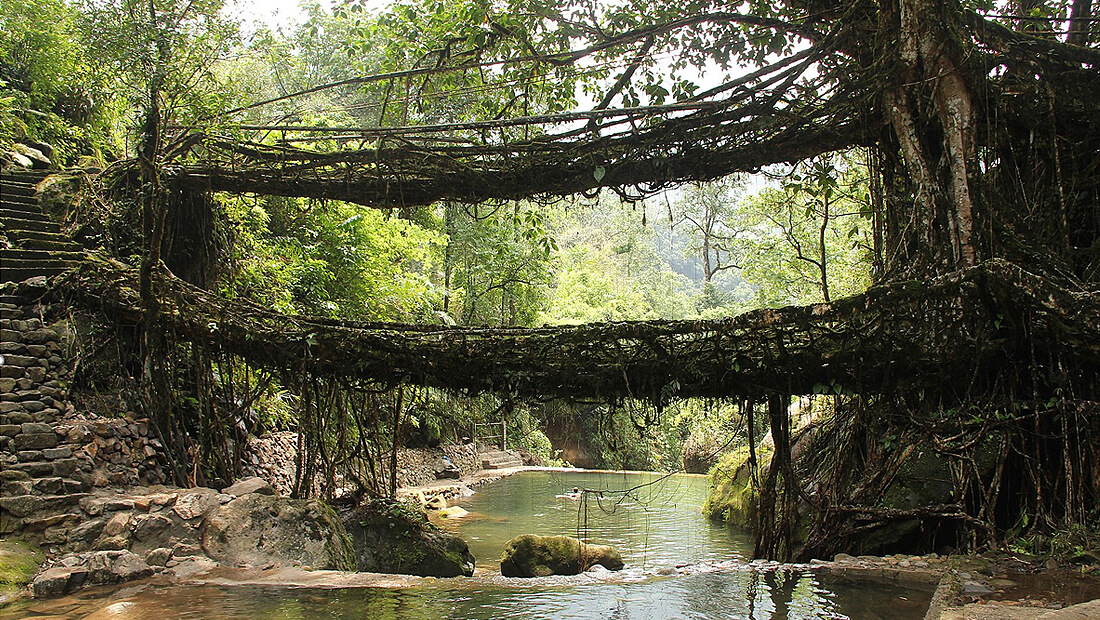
(678, 565)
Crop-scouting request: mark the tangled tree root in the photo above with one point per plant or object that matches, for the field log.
(992, 368)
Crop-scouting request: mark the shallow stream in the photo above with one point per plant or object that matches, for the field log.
(678, 565)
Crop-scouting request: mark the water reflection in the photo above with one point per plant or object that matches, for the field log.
(658, 524)
(743, 592)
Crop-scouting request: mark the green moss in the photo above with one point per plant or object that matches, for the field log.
(19, 561)
(731, 498)
(541, 556)
(338, 544)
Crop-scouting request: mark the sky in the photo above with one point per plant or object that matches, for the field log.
(275, 13)
(272, 13)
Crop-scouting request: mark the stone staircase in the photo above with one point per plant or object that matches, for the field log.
(500, 459)
(43, 479)
(53, 459)
(35, 244)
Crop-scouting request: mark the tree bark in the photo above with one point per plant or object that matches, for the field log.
(936, 140)
(1079, 24)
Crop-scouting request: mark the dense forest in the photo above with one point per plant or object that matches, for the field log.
(929, 167)
(701, 251)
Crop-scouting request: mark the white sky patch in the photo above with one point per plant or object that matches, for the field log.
(280, 14)
(271, 13)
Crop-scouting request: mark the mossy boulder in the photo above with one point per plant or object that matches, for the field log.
(261, 530)
(731, 498)
(59, 192)
(395, 537)
(542, 556)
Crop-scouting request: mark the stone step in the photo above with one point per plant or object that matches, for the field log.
(27, 176)
(37, 512)
(501, 464)
(19, 274)
(60, 244)
(36, 235)
(18, 194)
(35, 214)
(44, 263)
(22, 255)
(17, 188)
(500, 459)
(17, 223)
(20, 203)
(23, 506)
(45, 485)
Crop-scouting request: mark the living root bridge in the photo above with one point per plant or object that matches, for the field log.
(950, 334)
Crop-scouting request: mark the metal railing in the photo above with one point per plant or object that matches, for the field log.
(491, 433)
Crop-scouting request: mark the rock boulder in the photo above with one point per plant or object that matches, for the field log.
(263, 530)
(396, 537)
(94, 568)
(542, 556)
(245, 486)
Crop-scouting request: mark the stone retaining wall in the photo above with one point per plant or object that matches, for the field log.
(51, 454)
(37, 459)
(272, 458)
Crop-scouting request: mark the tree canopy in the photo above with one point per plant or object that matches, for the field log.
(978, 210)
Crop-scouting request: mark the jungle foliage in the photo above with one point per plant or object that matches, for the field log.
(942, 153)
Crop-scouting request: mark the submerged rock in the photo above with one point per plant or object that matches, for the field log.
(396, 537)
(263, 530)
(542, 556)
(453, 512)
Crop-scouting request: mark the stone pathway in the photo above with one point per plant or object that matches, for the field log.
(33, 243)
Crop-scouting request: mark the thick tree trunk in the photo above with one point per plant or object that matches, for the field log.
(931, 113)
(156, 380)
(1079, 24)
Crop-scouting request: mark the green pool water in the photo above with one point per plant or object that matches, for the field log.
(677, 566)
(654, 520)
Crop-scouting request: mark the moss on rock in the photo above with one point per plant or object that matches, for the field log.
(396, 537)
(263, 529)
(19, 561)
(731, 498)
(542, 556)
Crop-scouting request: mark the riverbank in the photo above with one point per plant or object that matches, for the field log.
(994, 586)
(967, 587)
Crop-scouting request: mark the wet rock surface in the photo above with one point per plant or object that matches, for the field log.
(85, 569)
